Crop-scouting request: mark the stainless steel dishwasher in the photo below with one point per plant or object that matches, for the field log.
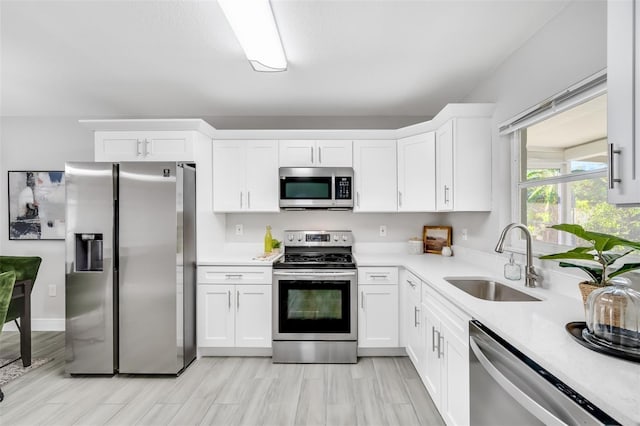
(507, 388)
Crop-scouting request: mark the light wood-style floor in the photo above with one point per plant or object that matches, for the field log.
(217, 391)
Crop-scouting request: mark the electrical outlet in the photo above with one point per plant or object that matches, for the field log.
(383, 230)
(464, 234)
(239, 230)
(52, 290)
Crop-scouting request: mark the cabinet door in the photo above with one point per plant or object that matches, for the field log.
(455, 388)
(216, 315)
(229, 176)
(622, 101)
(431, 373)
(262, 176)
(335, 153)
(417, 173)
(253, 316)
(444, 167)
(169, 146)
(119, 146)
(297, 153)
(375, 176)
(378, 316)
(412, 319)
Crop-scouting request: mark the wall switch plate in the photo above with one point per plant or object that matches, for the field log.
(383, 230)
(464, 234)
(52, 290)
(239, 230)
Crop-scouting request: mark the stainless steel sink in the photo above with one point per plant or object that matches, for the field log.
(487, 289)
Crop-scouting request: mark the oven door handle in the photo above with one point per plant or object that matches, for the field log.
(319, 275)
(516, 393)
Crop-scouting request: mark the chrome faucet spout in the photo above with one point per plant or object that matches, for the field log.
(530, 274)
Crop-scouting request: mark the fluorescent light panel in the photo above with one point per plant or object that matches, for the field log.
(253, 23)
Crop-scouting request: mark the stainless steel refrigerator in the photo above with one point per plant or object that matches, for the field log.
(130, 267)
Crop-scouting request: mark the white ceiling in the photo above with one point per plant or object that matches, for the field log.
(385, 58)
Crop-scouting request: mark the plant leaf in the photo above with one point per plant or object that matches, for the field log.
(578, 253)
(624, 268)
(594, 273)
(600, 241)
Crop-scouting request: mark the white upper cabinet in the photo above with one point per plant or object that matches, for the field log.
(623, 73)
(245, 176)
(150, 140)
(316, 153)
(375, 170)
(417, 173)
(463, 165)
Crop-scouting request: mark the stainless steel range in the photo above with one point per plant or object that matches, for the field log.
(314, 299)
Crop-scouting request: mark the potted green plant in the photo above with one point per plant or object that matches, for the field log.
(275, 246)
(596, 258)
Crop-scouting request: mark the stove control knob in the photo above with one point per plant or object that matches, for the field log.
(290, 237)
(345, 238)
(299, 238)
(335, 237)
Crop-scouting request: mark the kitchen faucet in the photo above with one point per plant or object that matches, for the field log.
(530, 273)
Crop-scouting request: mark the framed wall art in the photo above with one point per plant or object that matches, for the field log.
(435, 238)
(36, 205)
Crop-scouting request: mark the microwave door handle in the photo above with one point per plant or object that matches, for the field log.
(516, 393)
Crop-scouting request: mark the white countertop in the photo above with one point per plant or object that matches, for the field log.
(536, 329)
(239, 259)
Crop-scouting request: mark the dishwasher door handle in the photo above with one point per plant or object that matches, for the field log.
(516, 393)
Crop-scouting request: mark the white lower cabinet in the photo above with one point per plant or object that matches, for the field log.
(231, 313)
(378, 316)
(445, 371)
(412, 320)
(378, 307)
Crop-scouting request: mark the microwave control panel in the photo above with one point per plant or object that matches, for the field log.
(343, 188)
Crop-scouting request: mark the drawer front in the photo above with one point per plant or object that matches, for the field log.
(413, 287)
(378, 275)
(457, 321)
(234, 275)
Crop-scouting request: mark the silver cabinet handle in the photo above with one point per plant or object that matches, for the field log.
(147, 144)
(229, 296)
(612, 179)
(362, 300)
(411, 283)
(319, 155)
(440, 345)
(238, 300)
(358, 199)
(240, 199)
(138, 148)
(514, 391)
(248, 199)
(378, 276)
(399, 199)
(415, 316)
(231, 276)
(311, 155)
(446, 193)
(433, 338)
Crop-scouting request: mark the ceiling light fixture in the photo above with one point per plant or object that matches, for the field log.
(255, 27)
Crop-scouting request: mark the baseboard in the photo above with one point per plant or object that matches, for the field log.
(234, 352)
(39, 324)
(382, 352)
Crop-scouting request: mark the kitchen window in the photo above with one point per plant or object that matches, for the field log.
(560, 168)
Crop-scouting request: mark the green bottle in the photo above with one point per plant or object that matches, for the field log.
(268, 240)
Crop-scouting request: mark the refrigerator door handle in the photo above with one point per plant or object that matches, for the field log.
(516, 393)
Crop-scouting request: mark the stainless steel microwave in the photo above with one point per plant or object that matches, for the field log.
(316, 188)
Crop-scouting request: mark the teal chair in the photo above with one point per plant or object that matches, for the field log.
(25, 268)
(7, 279)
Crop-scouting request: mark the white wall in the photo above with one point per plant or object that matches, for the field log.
(571, 47)
(365, 226)
(37, 143)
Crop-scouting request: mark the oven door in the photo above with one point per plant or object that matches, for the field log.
(314, 305)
